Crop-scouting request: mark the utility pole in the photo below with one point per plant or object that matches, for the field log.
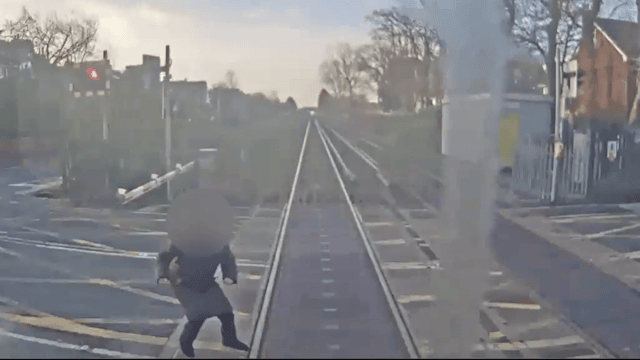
(558, 145)
(166, 110)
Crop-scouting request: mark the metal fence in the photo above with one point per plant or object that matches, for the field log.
(533, 167)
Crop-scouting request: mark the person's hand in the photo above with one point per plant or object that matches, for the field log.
(229, 281)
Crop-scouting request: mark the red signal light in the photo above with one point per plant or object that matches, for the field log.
(93, 74)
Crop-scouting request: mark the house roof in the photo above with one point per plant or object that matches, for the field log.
(623, 33)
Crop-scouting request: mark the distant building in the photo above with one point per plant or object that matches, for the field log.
(607, 78)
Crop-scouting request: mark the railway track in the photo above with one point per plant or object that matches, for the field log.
(341, 259)
(509, 329)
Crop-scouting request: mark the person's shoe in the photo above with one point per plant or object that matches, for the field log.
(188, 336)
(187, 347)
(235, 344)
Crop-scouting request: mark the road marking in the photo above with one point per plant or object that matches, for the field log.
(590, 356)
(325, 259)
(253, 277)
(334, 347)
(127, 321)
(325, 250)
(564, 341)
(331, 327)
(495, 335)
(507, 305)
(148, 233)
(326, 269)
(63, 345)
(413, 298)
(91, 243)
(66, 325)
(70, 281)
(324, 243)
(390, 242)
(372, 224)
(64, 247)
(330, 310)
(495, 273)
(324, 235)
(612, 231)
(327, 281)
(592, 218)
(372, 143)
(328, 294)
(404, 265)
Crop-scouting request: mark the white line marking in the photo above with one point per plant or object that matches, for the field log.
(591, 218)
(372, 143)
(327, 281)
(413, 298)
(382, 223)
(324, 243)
(612, 231)
(325, 250)
(63, 345)
(331, 327)
(330, 310)
(148, 233)
(325, 259)
(326, 269)
(334, 347)
(404, 265)
(495, 273)
(390, 242)
(324, 236)
(506, 305)
(328, 294)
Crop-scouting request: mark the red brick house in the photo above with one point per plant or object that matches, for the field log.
(607, 81)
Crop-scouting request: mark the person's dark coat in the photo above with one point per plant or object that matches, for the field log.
(193, 282)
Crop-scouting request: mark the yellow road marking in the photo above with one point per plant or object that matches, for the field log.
(507, 305)
(495, 335)
(532, 344)
(127, 321)
(412, 298)
(62, 324)
(63, 345)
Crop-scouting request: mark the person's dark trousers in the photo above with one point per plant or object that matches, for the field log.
(229, 335)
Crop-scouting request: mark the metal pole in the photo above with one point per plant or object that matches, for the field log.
(167, 118)
(558, 133)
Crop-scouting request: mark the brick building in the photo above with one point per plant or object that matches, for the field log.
(607, 78)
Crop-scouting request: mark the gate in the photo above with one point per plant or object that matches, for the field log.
(533, 166)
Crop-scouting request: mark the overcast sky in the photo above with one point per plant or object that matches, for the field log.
(271, 44)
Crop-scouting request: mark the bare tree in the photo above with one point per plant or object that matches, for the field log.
(399, 39)
(231, 79)
(57, 40)
(341, 71)
(273, 96)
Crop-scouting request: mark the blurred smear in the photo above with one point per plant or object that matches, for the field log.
(475, 51)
